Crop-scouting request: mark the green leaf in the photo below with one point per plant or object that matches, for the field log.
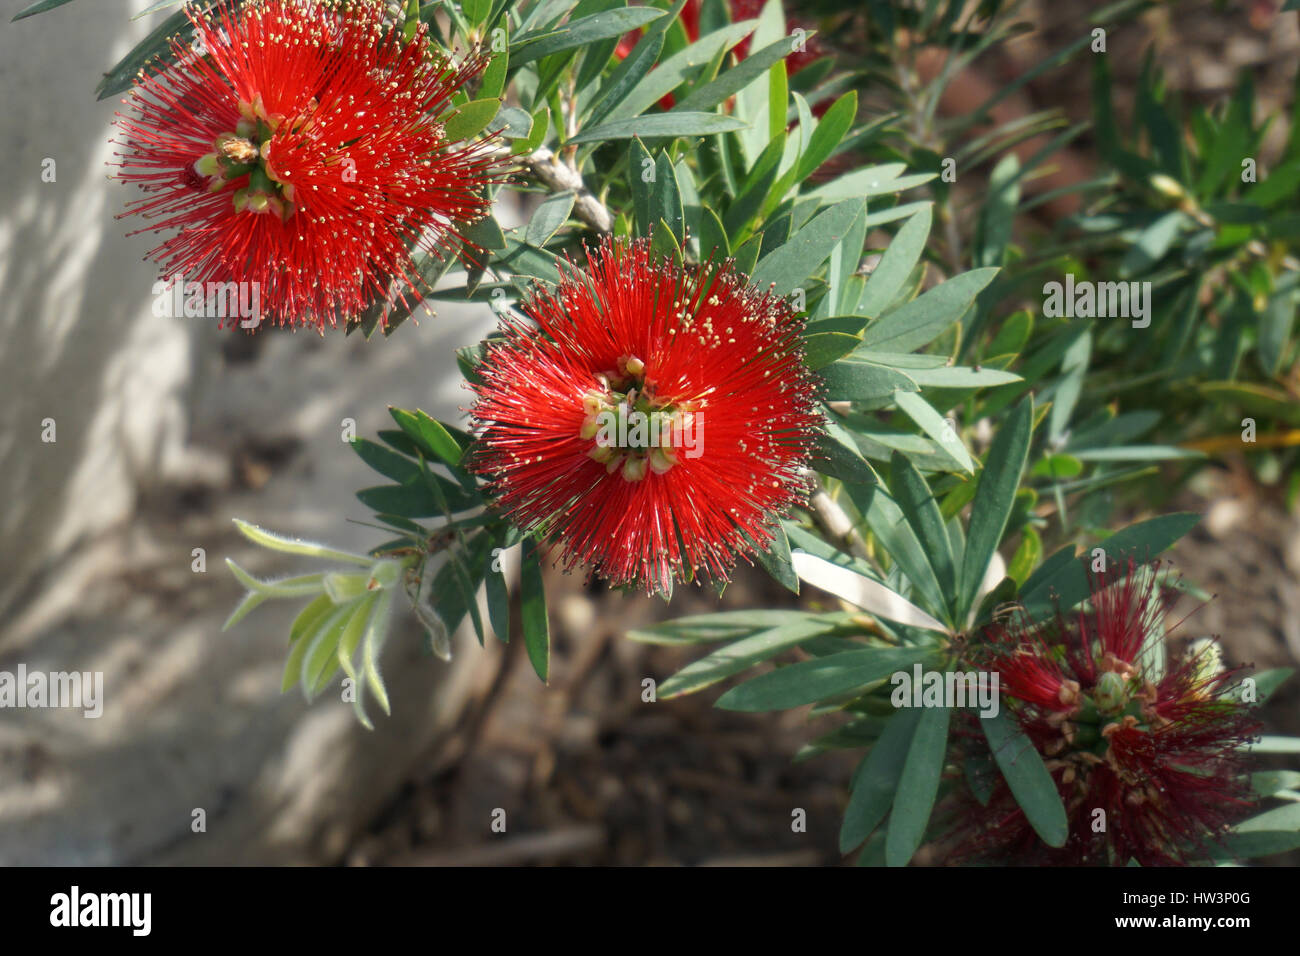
(961, 377)
(633, 69)
(810, 681)
(775, 560)
(661, 125)
(917, 502)
(917, 786)
(674, 70)
(1286, 818)
(865, 183)
(39, 7)
(794, 262)
(121, 77)
(498, 602)
(549, 217)
(713, 237)
(1064, 578)
(935, 426)
(751, 68)
(993, 500)
(532, 608)
(877, 778)
(1152, 244)
(388, 463)
(430, 435)
(853, 379)
(431, 497)
(639, 166)
(994, 231)
(722, 626)
(741, 655)
(823, 348)
(834, 124)
(834, 457)
(666, 199)
(1026, 775)
(889, 277)
(471, 119)
(778, 95)
(922, 320)
(582, 32)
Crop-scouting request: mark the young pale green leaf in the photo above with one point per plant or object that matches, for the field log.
(320, 662)
(376, 632)
(917, 786)
(810, 681)
(1025, 774)
(877, 778)
(532, 607)
(309, 620)
(275, 542)
(994, 496)
(862, 592)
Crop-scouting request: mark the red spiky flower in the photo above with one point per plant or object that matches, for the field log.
(297, 146)
(1158, 749)
(655, 420)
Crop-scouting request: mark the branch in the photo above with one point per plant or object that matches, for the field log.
(544, 166)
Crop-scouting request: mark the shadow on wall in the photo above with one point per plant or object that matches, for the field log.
(84, 359)
(192, 718)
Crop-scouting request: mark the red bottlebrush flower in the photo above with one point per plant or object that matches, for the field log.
(297, 147)
(1157, 751)
(654, 422)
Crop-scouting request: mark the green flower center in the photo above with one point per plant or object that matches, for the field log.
(246, 151)
(629, 427)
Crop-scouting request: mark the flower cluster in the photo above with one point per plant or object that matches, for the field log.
(654, 421)
(1158, 750)
(298, 146)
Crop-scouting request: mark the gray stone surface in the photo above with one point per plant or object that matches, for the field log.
(152, 459)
